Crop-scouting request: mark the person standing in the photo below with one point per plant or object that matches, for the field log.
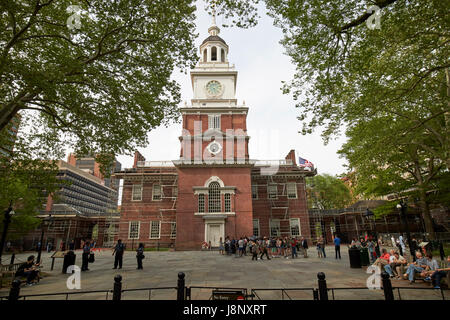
(139, 256)
(221, 248)
(254, 251)
(85, 256)
(322, 246)
(294, 248)
(304, 245)
(337, 246)
(72, 245)
(241, 246)
(118, 251)
(263, 250)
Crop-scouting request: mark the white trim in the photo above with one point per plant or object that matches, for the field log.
(129, 229)
(133, 191)
(212, 179)
(212, 214)
(159, 229)
(299, 228)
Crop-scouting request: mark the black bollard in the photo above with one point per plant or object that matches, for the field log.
(117, 291)
(323, 291)
(181, 287)
(15, 290)
(387, 286)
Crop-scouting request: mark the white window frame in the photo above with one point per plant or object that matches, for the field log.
(201, 203)
(154, 194)
(275, 223)
(173, 230)
(159, 229)
(227, 202)
(269, 192)
(138, 229)
(256, 227)
(214, 121)
(134, 192)
(292, 185)
(291, 225)
(255, 191)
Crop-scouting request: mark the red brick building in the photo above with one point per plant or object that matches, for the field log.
(214, 190)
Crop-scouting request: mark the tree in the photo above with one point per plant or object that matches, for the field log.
(327, 192)
(388, 86)
(385, 165)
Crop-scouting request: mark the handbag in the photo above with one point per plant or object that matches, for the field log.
(91, 258)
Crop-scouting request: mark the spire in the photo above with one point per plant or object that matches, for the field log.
(214, 29)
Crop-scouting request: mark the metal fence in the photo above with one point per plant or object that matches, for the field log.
(183, 292)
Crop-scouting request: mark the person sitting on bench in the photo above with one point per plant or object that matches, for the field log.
(29, 269)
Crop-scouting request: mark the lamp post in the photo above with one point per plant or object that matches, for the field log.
(47, 222)
(8, 214)
(403, 207)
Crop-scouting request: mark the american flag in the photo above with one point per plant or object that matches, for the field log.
(304, 163)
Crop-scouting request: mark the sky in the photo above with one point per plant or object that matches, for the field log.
(272, 119)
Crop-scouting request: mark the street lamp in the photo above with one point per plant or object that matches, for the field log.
(47, 222)
(8, 214)
(403, 207)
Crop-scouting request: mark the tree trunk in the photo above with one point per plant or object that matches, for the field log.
(426, 213)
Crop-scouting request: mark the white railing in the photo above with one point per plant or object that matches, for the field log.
(155, 164)
(263, 163)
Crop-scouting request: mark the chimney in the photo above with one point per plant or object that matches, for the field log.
(291, 156)
(137, 157)
(72, 159)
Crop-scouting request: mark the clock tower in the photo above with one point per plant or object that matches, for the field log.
(214, 170)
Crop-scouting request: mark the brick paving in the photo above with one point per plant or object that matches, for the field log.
(208, 268)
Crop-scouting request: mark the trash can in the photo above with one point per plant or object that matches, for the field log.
(364, 257)
(355, 257)
(69, 260)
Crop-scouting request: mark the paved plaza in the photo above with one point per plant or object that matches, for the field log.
(209, 269)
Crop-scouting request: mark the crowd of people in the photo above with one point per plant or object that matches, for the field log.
(274, 247)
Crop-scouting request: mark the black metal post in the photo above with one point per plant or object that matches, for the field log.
(117, 290)
(38, 259)
(14, 291)
(6, 223)
(323, 291)
(387, 286)
(181, 287)
(13, 257)
(441, 250)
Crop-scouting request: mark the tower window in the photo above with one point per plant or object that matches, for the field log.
(222, 56)
(214, 121)
(213, 54)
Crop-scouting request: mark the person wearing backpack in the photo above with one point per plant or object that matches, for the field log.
(140, 256)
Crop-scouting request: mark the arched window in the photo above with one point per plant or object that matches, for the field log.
(222, 56)
(214, 203)
(213, 54)
(205, 55)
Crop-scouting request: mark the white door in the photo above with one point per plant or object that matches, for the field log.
(214, 234)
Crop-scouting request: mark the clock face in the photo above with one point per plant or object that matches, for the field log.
(214, 147)
(214, 88)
